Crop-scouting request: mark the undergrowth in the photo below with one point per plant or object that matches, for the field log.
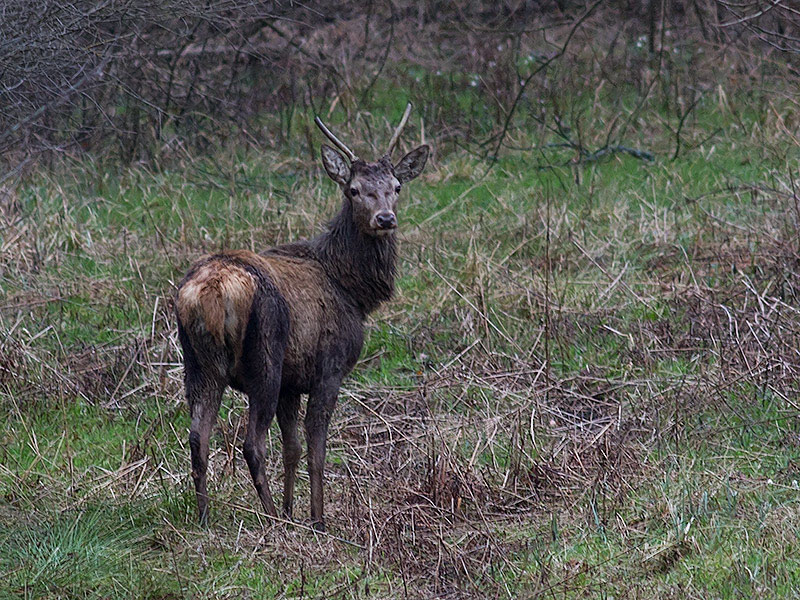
(585, 386)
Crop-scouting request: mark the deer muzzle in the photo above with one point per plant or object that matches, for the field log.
(385, 220)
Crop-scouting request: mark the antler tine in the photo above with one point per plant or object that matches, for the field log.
(339, 144)
(399, 129)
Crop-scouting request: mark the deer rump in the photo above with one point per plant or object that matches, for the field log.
(238, 308)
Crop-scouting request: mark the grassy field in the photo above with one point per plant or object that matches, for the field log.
(586, 386)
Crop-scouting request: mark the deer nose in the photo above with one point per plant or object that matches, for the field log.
(386, 220)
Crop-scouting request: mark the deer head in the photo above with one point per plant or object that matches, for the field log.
(372, 188)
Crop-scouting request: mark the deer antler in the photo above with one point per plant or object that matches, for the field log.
(339, 144)
(399, 129)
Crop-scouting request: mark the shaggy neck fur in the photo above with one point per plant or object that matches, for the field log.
(362, 265)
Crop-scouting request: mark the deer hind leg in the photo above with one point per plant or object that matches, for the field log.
(204, 399)
(263, 398)
(288, 406)
(203, 394)
(261, 383)
(262, 360)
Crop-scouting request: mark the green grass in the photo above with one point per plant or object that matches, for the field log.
(86, 553)
(585, 386)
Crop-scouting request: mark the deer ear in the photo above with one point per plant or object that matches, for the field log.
(411, 165)
(335, 165)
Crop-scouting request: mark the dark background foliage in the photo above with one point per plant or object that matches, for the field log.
(140, 80)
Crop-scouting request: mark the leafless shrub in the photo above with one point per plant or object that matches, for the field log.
(775, 24)
(147, 80)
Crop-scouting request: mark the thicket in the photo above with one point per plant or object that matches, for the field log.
(145, 80)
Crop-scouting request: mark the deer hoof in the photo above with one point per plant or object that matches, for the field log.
(319, 526)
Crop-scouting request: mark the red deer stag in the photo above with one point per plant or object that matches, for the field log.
(290, 321)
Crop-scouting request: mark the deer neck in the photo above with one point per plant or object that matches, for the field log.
(363, 266)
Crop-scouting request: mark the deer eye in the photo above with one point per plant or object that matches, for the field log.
(354, 191)
(397, 189)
